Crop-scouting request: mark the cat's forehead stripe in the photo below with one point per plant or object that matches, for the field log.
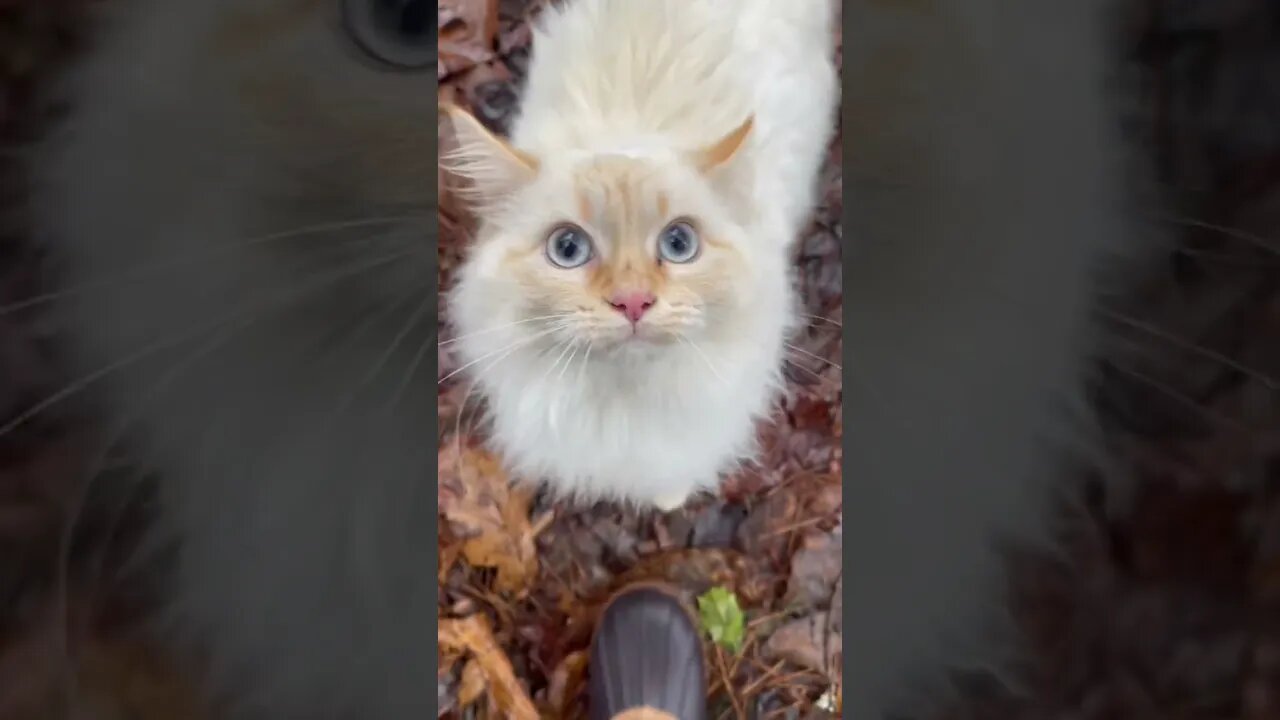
(619, 196)
(616, 191)
(629, 152)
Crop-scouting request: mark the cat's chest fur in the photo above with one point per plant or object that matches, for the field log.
(650, 429)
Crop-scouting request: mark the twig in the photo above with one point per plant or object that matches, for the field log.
(758, 682)
(728, 685)
(795, 526)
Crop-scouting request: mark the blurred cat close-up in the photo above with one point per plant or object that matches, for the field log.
(240, 202)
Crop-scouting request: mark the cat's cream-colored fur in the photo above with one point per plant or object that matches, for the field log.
(623, 100)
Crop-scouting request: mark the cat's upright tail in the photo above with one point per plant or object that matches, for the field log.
(987, 187)
(786, 52)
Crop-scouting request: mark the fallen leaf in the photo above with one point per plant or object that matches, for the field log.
(809, 642)
(815, 567)
(467, 32)
(757, 534)
(472, 634)
(701, 569)
(722, 618)
(473, 683)
(567, 681)
(448, 556)
(489, 515)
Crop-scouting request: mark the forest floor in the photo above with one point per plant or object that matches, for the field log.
(1163, 603)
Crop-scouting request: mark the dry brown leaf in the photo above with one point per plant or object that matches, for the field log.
(473, 683)
(445, 659)
(490, 516)
(567, 681)
(448, 557)
(808, 642)
(482, 74)
(468, 30)
(472, 634)
(696, 568)
(815, 567)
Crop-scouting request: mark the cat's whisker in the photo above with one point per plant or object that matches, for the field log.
(1266, 380)
(505, 326)
(154, 348)
(833, 384)
(586, 359)
(457, 421)
(109, 533)
(382, 360)
(1231, 258)
(1180, 397)
(522, 342)
(544, 352)
(569, 343)
(568, 363)
(1262, 243)
(710, 366)
(81, 495)
(152, 268)
(822, 319)
(368, 319)
(413, 369)
(815, 357)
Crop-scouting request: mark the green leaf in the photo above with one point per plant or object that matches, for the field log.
(722, 618)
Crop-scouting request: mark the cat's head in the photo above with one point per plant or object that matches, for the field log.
(627, 251)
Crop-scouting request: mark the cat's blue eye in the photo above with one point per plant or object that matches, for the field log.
(400, 33)
(678, 243)
(569, 247)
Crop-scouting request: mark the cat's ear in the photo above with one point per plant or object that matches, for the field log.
(491, 167)
(721, 153)
(719, 164)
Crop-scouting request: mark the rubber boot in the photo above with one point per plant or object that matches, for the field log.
(646, 659)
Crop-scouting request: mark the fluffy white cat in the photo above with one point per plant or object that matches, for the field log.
(625, 306)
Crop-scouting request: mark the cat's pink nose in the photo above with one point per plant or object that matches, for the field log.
(632, 303)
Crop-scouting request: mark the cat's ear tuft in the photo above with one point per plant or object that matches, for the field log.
(490, 166)
(723, 150)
